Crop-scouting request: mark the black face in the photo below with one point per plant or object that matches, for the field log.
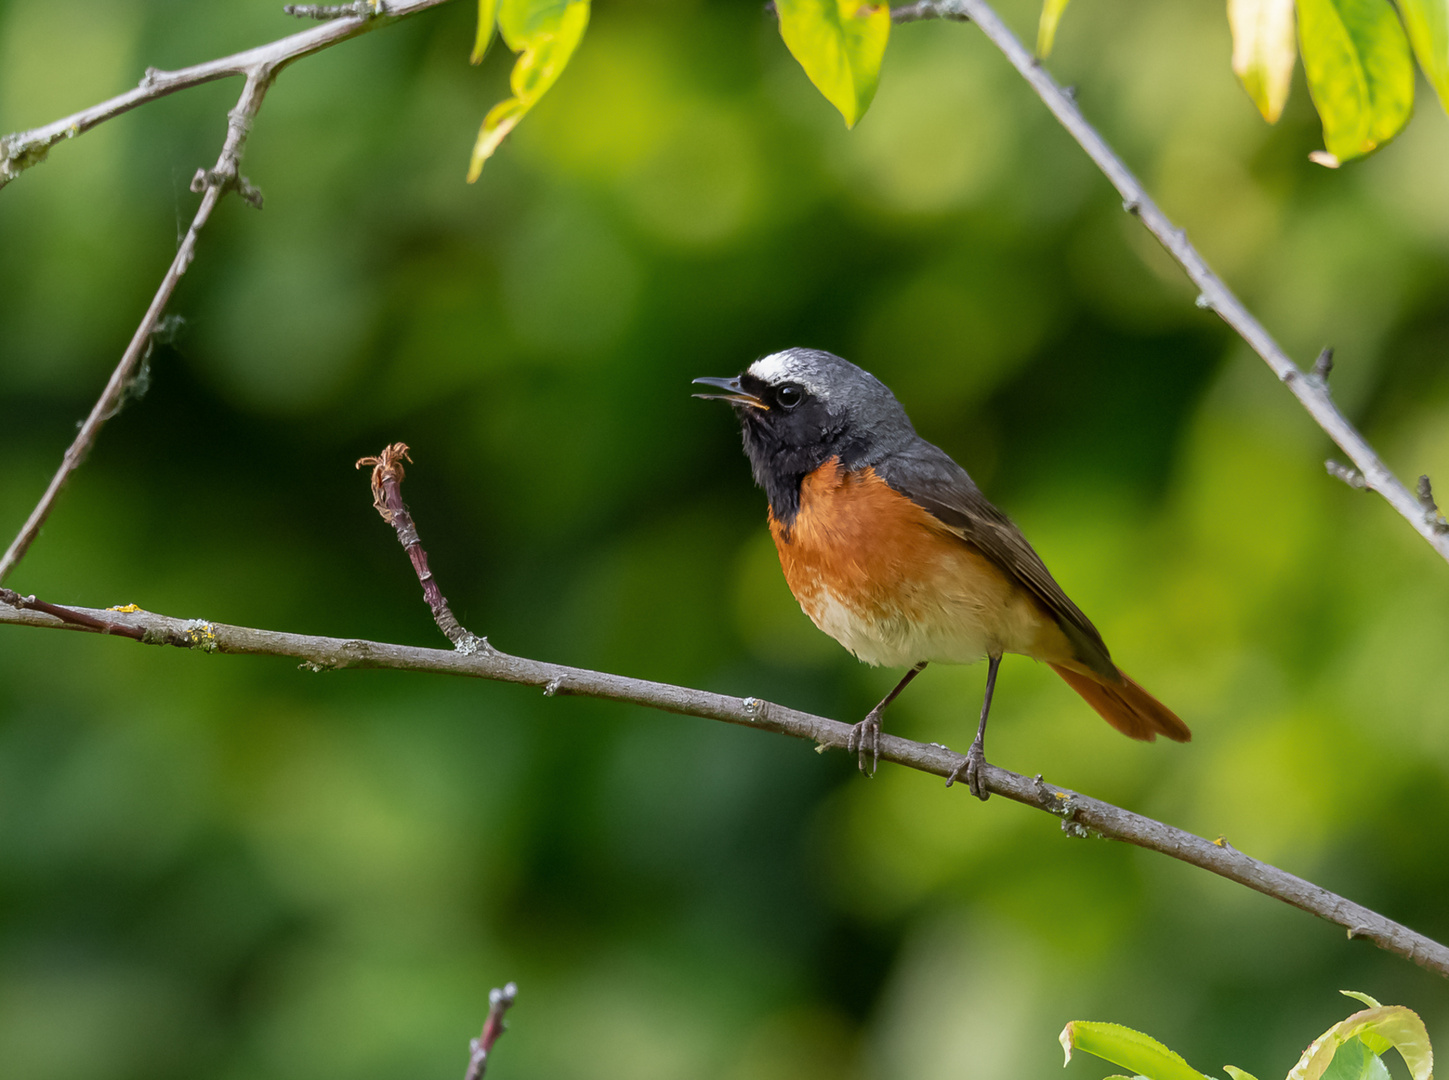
(788, 434)
(785, 421)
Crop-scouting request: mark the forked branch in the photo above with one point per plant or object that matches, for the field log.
(259, 66)
(23, 149)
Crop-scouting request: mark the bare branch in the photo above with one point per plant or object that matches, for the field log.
(1081, 816)
(1323, 366)
(260, 67)
(213, 184)
(23, 149)
(1431, 508)
(1312, 393)
(322, 12)
(924, 9)
(387, 478)
(499, 1002)
(75, 618)
(1352, 477)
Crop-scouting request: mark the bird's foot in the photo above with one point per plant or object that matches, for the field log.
(970, 768)
(865, 741)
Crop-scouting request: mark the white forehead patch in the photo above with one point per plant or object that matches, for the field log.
(789, 366)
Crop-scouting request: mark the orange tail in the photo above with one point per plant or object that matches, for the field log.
(1126, 706)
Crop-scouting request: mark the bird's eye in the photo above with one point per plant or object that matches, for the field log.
(789, 396)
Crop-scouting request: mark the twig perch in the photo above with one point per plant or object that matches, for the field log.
(1080, 815)
(1311, 392)
(387, 478)
(499, 1002)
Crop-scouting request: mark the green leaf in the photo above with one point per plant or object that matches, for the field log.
(840, 44)
(1046, 29)
(487, 16)
(1359, 73)
(545, 34)
(1381, 1026)
(1265, 48)
(1377, 1043)
(1359, 995)
(523, 21)
(1130, 1049)
(1237, 1073)
(1428, 23)
(1355, 1061)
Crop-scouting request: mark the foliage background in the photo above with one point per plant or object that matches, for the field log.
(224, 867)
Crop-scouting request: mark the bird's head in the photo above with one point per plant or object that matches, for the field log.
(801, 407)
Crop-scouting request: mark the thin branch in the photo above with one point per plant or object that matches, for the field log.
(499, 1002)
(1311, 392)
(260, 67)
(213, 184)
(1431, 508)
(103, 626)
(322, 12)
(925, 9)
(1352, 477)
(387, 478)
(1081, 816)
(23, 149)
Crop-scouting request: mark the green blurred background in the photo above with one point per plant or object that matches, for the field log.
(224, 867)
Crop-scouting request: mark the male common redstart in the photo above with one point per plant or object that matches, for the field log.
(893, 551)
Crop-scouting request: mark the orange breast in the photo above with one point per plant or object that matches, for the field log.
(893, 585)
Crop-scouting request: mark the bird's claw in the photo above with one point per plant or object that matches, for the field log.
(865, 739)
(970, 768)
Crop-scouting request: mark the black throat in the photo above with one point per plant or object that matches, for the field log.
(781, 468)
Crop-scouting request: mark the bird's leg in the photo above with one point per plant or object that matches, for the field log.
(976, 755)
(865, 736)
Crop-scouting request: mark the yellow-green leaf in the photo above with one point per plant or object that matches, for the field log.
(1237, 1073)
(1428, 23)
(1133, 1050)
(544, 33)
(1359, 995)
(487, 16)
(1264, 51)
(1377, 1043)
(522, 21)
(1046, 29)
(1386, 1026)
(840, 44)
(1355, 1061)
(1359, 73)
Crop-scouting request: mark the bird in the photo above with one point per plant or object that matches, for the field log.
(891, 548)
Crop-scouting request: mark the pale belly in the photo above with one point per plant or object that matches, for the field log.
(935, 621)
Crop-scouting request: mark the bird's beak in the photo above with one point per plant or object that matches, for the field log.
(735, 392)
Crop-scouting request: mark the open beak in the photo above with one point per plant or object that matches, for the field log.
(734, 392)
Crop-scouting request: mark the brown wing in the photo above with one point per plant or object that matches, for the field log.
(929, 478)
